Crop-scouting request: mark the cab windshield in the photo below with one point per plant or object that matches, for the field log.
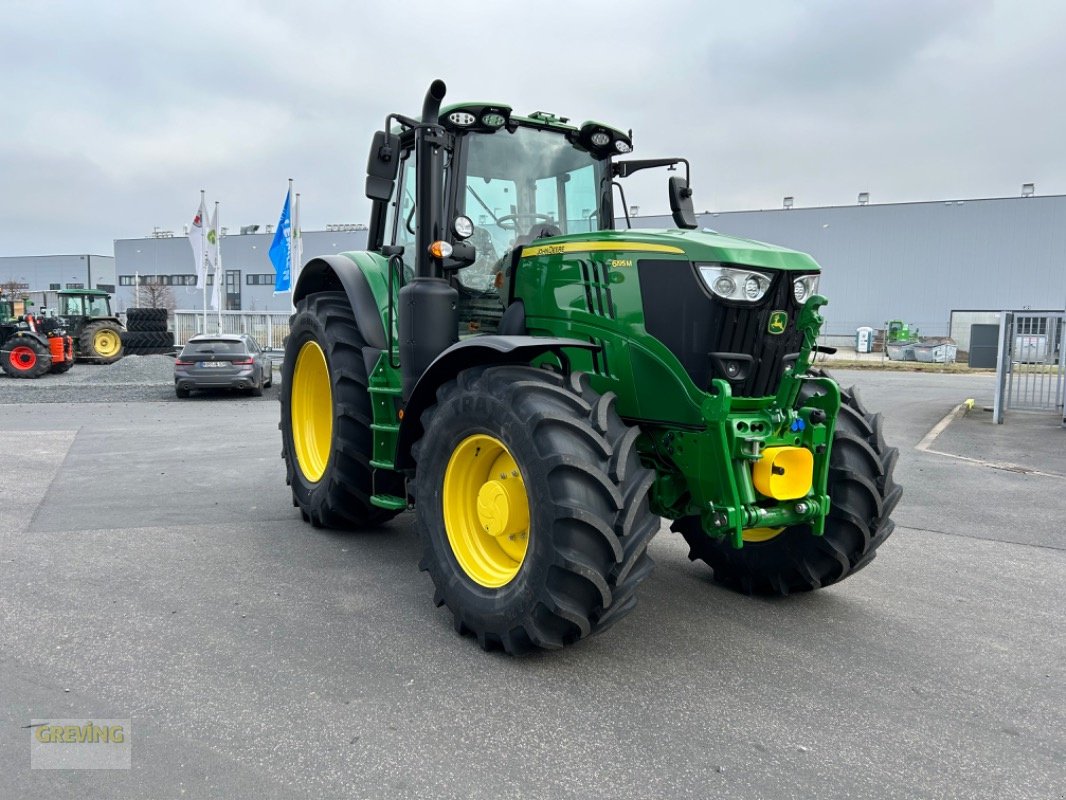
(520, 186)
(88, 306)
(97, 306)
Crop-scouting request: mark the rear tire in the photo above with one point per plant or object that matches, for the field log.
(101, 341)
(181, 393)
(862, 494)
(25, 357)
(329, 468)
(588, 523)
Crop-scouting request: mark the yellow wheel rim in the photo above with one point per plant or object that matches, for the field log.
(311, 411)
(761, 534)
(106, 342)
(486, 511)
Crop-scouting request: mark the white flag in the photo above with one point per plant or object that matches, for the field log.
(197, 239)
(212, 240)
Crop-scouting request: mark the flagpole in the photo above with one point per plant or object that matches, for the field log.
(292, 275)
(298, 242)
(218, 265)
(203, 254)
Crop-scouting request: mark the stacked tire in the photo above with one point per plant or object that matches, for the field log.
(146, 332)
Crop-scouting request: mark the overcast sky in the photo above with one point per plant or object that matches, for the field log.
(116, 114)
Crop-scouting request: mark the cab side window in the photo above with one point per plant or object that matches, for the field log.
(400, 221)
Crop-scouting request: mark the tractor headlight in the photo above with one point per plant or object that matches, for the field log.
(804, 286)
(463, 119)
(463, 227)
(732, 283)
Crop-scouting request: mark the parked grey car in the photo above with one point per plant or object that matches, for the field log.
(222, 361)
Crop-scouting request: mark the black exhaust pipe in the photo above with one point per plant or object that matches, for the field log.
(429, 186)
(429, 305)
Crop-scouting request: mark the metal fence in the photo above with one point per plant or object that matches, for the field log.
(268, 328)
(1031, 373)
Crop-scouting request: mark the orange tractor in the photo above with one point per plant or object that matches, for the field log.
(31, 346)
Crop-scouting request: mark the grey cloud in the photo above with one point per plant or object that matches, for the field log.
(117, 113)
(841, 44)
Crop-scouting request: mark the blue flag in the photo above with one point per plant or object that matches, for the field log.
(280, 252)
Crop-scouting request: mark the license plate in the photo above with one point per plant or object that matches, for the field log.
(210, 364)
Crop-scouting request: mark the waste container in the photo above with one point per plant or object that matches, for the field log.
(864, 340)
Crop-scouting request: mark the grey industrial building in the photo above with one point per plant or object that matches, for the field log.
(248, 274)
(918, 262)
(35, 273)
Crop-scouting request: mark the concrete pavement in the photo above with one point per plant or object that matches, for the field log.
(152, 567)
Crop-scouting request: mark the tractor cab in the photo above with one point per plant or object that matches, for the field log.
(506, 181)
(90, 303)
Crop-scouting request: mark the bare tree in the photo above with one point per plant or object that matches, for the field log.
(12, 288)
(154, 293)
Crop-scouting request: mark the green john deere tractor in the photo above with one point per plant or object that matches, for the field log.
(543, 388)
(86, 314)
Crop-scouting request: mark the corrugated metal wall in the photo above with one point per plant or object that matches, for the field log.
(918, 261)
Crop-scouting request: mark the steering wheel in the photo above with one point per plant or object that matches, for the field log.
(513, 219)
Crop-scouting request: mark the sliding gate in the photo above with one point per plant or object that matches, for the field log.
(1030, 375)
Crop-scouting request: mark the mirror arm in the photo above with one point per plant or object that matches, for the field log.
(625, 205)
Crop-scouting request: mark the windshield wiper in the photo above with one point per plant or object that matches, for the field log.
(470, 189)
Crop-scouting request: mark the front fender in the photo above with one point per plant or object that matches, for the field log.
(477, 350)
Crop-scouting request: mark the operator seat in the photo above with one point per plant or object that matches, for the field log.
(540, 230)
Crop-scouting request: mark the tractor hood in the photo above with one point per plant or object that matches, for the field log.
(702, 245)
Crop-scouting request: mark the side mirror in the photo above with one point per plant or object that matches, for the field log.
(681, 203)
(382, 165)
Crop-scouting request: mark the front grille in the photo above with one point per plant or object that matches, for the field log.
(681, 312)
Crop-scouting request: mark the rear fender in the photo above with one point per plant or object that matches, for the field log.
(19, 337)
(363, 277)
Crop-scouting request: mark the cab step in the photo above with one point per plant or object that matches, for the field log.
(389, 501)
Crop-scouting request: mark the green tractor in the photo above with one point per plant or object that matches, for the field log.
(542, 388)
(86, 314)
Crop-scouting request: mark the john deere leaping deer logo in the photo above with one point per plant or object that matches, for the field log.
(778, 321)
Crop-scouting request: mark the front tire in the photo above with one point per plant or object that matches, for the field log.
(532, 506)
(862, 496)
(25, 357)
(325, 418)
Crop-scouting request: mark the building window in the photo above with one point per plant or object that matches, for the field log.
(106, 287)
(1031, 326)
(75, 285)
(260, 279)
(55, 287)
